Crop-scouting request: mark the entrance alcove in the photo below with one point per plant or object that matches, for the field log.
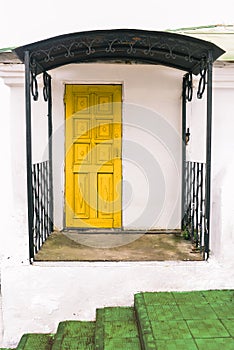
(88, 60)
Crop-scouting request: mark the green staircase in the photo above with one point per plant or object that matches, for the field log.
(201, 320)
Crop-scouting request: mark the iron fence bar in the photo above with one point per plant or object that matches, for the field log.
(29, 152)
(208, 151)
(190, 195)
(187, 193)
(202, 214)
(47, 201)
(197, 202)
(193, 201)
(37, 211)
(183, 185)
(40, 204)
(50, 147)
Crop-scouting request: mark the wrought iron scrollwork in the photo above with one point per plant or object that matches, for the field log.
(34, 85)
(46, 87)
(189, 86)
(132, 45)
(202, 80)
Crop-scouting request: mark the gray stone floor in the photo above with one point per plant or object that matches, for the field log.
(128, 246)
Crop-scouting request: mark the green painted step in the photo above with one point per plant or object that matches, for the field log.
(186, 320)
(36, 342)
(116, 329)
(199, 320)
(74, 335)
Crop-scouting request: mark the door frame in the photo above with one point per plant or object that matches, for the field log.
(75, 82)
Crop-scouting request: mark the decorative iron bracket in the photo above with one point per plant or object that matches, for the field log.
(34, 84)
(46, 87)
(189, 86)
(202, 81)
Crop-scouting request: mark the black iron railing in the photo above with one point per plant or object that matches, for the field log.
(41, 205)
(195, 204)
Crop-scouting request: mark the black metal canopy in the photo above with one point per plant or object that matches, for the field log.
(120, 45)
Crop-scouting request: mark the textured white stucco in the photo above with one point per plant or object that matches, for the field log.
(48, 294)
(35, 298)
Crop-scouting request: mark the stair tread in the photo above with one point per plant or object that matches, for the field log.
(176, 319)
(34, 341)
(116, 328)
(74, 335)
(159, 320)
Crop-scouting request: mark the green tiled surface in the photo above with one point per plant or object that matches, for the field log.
(170, 330)
(197, 312)
(118, 314)
(116, 329)
(164, 312)
(219, 296)
(120, 344)
(74, 335)
(224, 310)
(215, 344)
(201, 320)
(186, 320)
(229, 325)
(207, 329)
(161, 298)
(191, 298)
(36, 342)
(176, 344)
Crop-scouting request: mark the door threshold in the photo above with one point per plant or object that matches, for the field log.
(119, 231)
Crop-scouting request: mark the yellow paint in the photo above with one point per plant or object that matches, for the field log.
(93, 167)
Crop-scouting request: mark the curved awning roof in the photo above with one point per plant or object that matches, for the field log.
(120, 45)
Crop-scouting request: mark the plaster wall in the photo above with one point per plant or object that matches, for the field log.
(151, 129)
(50, 293)
(35, 298)
(222, 169)
(13, 236)
(222, 224)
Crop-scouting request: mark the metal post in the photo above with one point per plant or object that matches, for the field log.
(208, 152)
(183, 185)
(50, 148)
(29, 152)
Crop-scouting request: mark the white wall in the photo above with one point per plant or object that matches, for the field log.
(50, 293)
(222, 224)
(151, 124)
(14, 231)
(196, 122)
(151, 139)
(154, 91)
(37, 297)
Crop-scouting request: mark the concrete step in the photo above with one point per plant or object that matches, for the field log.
(36, 342)
(74, 335)
(116, 328)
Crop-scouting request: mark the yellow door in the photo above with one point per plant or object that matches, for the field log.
(93, 156)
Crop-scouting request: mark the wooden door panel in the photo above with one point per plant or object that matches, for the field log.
(93, 167)
(105, 195)
(81, 195)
